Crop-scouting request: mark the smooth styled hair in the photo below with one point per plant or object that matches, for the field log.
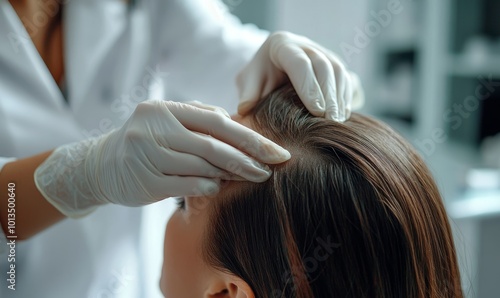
(354, 213)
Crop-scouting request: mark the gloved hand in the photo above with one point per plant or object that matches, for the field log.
(165, 149)
(321, 80)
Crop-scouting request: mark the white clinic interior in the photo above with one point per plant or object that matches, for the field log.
(431, 69)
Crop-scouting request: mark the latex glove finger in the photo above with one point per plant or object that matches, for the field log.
(341, 91)
(292, 59)
(358, 97)
(257, 80)
(355, 99)
(343, 84)
(324, 71)
(230, 132)
(194, 186)
(132, 189)
(282, 56)
(208, 107)
(173, 186)
(224, 157)
(349, 94)
(170, 162)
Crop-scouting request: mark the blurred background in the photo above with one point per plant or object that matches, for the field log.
(431, 69)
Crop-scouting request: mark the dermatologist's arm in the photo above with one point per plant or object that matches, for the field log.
(164, 149)
(206, 45)
(33, 213)
(209, 46)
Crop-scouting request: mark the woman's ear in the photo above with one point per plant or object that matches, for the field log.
(228, 286)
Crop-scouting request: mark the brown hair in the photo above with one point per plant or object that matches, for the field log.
(354, 213)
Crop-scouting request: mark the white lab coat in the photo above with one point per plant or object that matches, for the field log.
(114, 58)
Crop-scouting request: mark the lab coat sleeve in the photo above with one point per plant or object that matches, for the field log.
(3, 240)
(204, 47)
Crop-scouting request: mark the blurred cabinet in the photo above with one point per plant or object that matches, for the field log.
(474, 70)
(397, 49)
(438, 68)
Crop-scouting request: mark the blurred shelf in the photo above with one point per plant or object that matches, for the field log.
(395, 45)
(430, 37)
(481, 198)
(460, 65)
(476, 205)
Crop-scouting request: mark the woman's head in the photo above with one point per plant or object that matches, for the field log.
(354, 213)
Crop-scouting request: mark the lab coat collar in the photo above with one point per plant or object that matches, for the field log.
(91, 29)
(19, 56)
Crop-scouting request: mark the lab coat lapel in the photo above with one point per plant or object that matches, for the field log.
(19, 57)
(92, 28)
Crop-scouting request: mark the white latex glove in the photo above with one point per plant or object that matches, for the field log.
(165, 149)
(209, 107)
(321, 80)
